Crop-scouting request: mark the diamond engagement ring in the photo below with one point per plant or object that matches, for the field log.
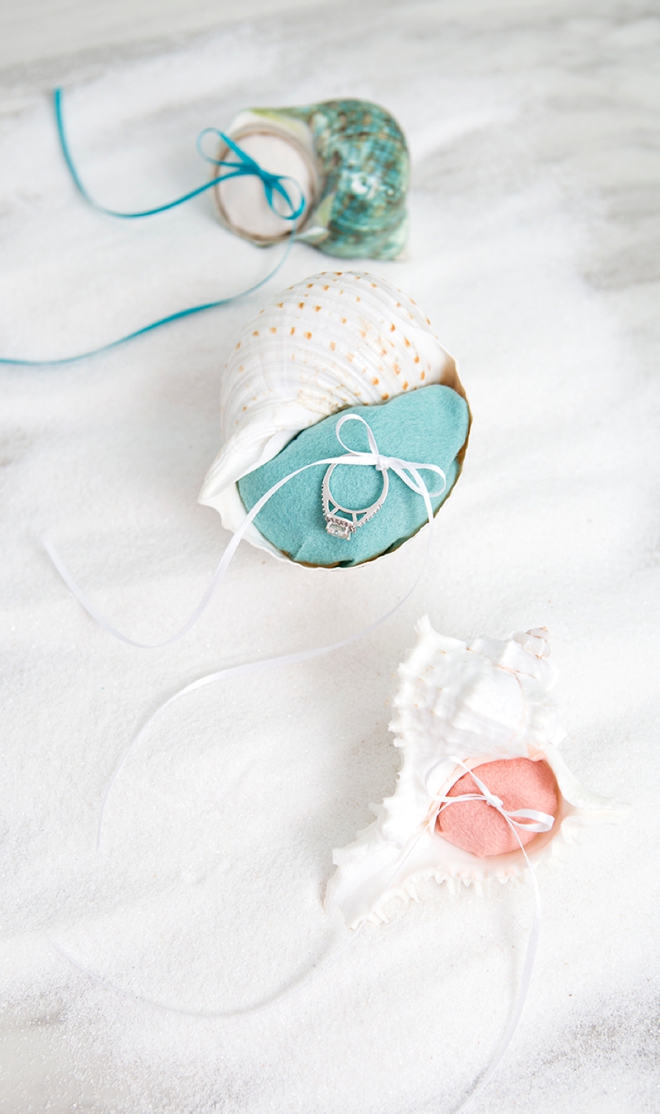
(335, 523)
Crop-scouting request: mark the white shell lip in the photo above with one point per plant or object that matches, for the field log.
(476, 703)
(334, 340)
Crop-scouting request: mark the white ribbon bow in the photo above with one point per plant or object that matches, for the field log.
(528, 819)
(407, 470)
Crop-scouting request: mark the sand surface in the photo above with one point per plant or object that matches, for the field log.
(534, 245)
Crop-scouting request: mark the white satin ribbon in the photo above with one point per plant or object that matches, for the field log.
(407, 471)
(525, 819)
(528, 819)
(353, 457)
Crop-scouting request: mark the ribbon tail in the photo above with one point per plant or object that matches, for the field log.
(269, 663)
(178, 316)
(521, 998)
(528, 969)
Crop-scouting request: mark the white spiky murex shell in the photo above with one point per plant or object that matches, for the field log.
(334, 340)
(477, 704)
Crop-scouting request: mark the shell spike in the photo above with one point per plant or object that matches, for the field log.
(482, 707)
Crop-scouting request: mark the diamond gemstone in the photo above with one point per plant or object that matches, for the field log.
(339, 528)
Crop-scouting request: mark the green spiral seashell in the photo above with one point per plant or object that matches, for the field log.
(365, 173)
(351, 160)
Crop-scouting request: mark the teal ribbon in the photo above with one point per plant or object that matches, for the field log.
(154, 324)
(246, 166)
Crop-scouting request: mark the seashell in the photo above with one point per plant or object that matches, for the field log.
(332, 341)
(351, 162)
(484, 707)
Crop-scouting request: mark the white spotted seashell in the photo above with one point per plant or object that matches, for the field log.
(335, 340)
(476, 704)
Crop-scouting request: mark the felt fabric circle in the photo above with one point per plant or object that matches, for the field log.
(476, 826)
(242, 201)
(428, 425)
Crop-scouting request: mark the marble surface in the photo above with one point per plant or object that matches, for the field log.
(535, 229)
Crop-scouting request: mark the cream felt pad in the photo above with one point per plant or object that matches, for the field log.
(242, 201)
(476, 827)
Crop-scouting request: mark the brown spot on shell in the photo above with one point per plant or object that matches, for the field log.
(308, 335)
(326, 287)
(255, 333)
(397, 369)
(317, 308)
(238, 346)
(332, 345)
(407, 342)
(343, 320)
(405, 387)
(392, 327)
(273, 328)
(423, 376)
(358, 298)
(385, 396)
(416, 359)
(376, 382)
(363, 332)
(301, 305)
(310, 285)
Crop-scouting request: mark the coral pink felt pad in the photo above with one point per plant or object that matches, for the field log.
(476, 826)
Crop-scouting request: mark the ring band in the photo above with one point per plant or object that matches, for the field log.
(341, 527)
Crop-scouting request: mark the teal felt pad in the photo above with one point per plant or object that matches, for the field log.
(427, 426)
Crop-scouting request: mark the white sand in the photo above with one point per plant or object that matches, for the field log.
(534, 250)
